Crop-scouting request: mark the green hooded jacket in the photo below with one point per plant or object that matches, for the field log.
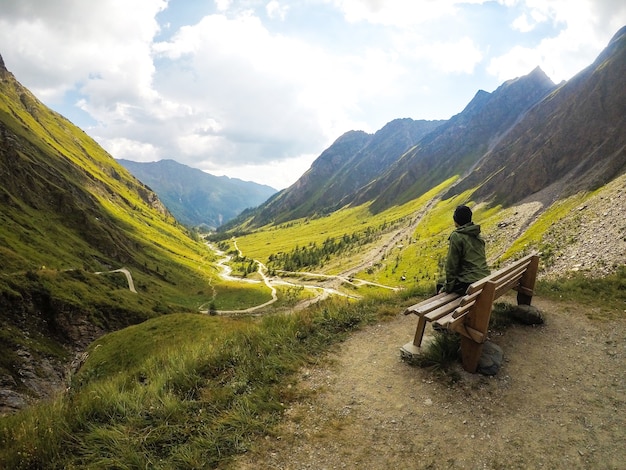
(466, 261)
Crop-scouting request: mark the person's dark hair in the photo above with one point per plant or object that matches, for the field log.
(462, 215)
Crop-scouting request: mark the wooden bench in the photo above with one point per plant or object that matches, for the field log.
(469, 314)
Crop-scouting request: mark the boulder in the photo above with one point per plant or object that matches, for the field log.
(527, 315)
(490, 359)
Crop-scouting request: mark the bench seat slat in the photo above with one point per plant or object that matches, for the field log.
(443, 310)
(463, 309)
(454, 324)
(432, 303)
(469, 298)
(446, 320)
(456, 321)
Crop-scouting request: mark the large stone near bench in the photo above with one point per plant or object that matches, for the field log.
(490, 359)
(527, 315)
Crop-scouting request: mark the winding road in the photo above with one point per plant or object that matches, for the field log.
(126, 272)
(271, 282)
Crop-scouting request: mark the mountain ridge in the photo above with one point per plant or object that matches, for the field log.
(582, 148)
(454, 148)
(197, 198)
(472, 145)
(343, 169)
(438, 151)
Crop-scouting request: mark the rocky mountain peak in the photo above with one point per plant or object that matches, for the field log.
(3, 70)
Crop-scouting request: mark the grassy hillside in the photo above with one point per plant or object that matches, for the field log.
(179, 391)
(191, 391)
(405, 246)
(68, 211)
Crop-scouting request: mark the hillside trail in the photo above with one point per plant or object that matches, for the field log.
(557, 402)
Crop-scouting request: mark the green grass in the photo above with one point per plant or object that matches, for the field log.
(350, 220)
(70, 206)
(179, 391)
(183, 390)
(607, 294)
(441, 352)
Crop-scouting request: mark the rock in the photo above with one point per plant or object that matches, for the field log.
(527, 315)
(10, 401)
(491, 359)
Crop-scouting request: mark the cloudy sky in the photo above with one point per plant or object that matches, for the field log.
(257, 89)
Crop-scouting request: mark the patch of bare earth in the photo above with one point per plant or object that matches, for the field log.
(557, 402)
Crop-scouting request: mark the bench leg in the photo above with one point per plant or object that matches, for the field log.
(478, 319)
(470, 354)
(528, 281)
(413, 349)
(419, 332)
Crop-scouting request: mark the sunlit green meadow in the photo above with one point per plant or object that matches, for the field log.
(180, 390)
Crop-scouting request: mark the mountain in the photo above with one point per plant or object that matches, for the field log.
(572, 140)
(71, 216)
(351, 162)
(528, 137)
(405, 158)
(197, 198)
(454, 148)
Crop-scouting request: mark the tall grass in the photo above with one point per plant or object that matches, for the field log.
(179, 391)
(608, 294)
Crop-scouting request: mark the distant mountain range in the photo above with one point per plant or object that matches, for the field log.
(529, 138)
(197, 198)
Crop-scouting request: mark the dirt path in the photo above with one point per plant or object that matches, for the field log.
(125, 272)
(557, 402)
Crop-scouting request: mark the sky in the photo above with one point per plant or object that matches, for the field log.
(258, 89)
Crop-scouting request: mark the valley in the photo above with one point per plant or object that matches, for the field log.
(326, 286)
(274, 340)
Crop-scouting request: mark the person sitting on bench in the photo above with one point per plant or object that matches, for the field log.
(466, 261)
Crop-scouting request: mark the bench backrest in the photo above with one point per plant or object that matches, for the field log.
(504, 279)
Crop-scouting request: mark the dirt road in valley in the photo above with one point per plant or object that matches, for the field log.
(328, 286)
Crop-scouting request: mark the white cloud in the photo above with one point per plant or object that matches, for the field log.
(69, 42)
(583, 32)
(398, 12)
(229, 93)
(277, 174)
(275, 10)
(281, 93)
(522, 23)
(454, 56)
(223, 5)
(132, 150)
